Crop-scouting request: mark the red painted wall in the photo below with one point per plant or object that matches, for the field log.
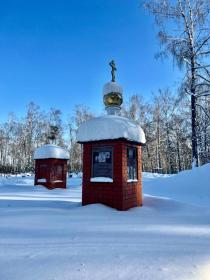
(120, 194)
(52, 170)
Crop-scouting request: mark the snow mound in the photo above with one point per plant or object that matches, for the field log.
(191, 186)
(112, 87)
(110, 127)
(51, 151)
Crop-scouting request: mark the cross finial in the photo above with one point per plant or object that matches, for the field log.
(112, 64)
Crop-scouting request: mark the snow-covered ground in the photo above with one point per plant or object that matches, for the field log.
(48, 235)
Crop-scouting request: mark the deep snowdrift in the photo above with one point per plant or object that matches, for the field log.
(191, 186)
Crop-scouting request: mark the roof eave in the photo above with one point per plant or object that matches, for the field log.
(113, 139)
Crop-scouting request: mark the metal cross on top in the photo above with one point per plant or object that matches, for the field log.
(112, 64)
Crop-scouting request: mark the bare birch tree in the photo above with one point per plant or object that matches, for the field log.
(184, 33)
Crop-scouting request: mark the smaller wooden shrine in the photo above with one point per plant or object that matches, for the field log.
(51, 166)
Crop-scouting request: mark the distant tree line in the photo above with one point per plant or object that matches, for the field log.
(165, 120)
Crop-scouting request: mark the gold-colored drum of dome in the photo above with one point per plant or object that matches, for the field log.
(113, 99)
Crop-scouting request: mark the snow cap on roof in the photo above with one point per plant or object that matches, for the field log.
(112, 87)
(51, 151)
(110, 127)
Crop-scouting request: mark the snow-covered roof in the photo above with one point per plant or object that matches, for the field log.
(112, 87)
(51, 151)
(110, 127)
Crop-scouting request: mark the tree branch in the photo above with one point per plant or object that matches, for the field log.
(203, 53)
(205, 69)
(205, 79)
(186, 60)
(203, 110)
(200, 67)
(204, 93)
(203, 43)
(202, 84)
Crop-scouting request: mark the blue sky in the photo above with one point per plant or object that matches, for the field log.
(56, 53)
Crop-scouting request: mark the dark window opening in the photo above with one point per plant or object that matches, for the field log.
(132, 166)
(102, 165)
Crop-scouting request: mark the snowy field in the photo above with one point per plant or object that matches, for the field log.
(48, 235)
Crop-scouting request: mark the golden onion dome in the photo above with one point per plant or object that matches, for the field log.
(113, 99)
(112, 93)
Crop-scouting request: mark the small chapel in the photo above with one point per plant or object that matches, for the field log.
(112, 164)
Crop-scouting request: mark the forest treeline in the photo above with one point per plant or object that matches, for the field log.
(165, 119)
